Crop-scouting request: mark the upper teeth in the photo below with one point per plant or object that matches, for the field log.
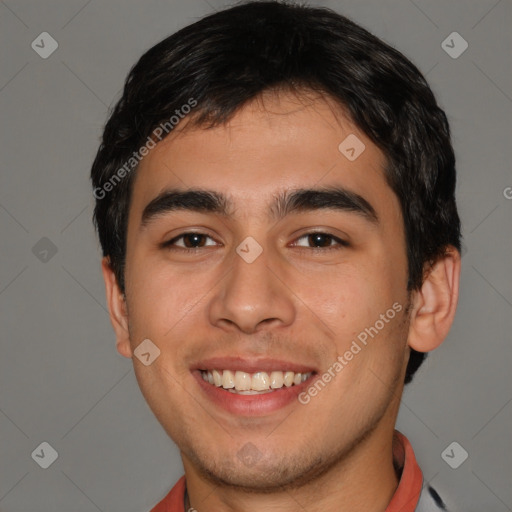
(259, 381)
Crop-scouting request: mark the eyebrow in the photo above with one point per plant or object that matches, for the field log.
(286, 202)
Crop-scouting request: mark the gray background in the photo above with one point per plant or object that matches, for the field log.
(61, 379)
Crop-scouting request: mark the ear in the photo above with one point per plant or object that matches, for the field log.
(117, 309)
(434, 305)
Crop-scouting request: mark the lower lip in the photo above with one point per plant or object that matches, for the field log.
(251, 405)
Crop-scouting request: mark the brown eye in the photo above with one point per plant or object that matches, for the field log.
(188, 241)
(319, 240)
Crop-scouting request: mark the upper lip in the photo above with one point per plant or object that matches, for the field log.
(251, 365)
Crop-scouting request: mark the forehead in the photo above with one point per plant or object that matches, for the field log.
(275, 142)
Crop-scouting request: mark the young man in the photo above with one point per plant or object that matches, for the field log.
(275, 203)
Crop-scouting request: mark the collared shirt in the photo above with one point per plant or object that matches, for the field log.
(410, 495)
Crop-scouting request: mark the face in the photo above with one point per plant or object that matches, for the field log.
(258, 278)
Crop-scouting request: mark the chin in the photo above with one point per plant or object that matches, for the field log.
(250, 471)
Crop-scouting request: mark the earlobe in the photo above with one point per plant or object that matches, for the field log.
(434, 305)
(117, 309)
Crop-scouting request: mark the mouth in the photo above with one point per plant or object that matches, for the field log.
(252, 387)
(243, 383)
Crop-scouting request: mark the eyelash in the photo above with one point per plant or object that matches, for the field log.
(341, 243)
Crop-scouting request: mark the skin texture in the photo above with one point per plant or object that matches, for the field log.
(294, 302)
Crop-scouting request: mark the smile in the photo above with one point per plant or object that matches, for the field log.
(260, 382)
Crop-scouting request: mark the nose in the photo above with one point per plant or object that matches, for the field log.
(252, 295)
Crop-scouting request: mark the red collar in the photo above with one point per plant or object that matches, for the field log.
(405, 498)
(408, 491)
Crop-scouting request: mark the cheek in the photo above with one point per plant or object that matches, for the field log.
(349, 296)
(363, 306)
(161, 296)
